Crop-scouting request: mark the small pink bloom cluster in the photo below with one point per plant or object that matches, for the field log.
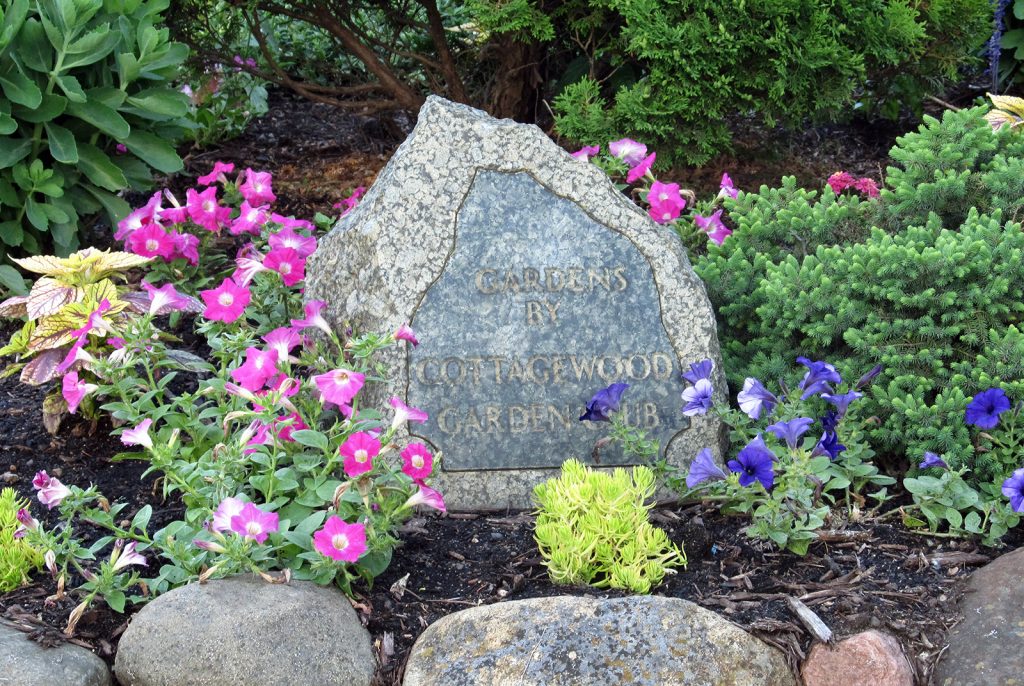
(245, 519)
(50, 490)
(349, 203)
(840, 181)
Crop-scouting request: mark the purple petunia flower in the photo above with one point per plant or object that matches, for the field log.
(818, 377)
(842, 402)
(932, 460)
(829, 443)
(984, 410)
(698, 398)
(699, 370)
(755, 399)
(703, 468)
(1013, 488)
(604, 402)
(755, 463)
(791, 431)
(868, 378)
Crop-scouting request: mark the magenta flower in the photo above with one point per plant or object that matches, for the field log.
(139, 435)
(713, 226)
(665, 201)
(284, 426)
(25, 522)
(219, 168)
(290, 222)
(340, 541)
(281, 340)
(139, 218)
(287, 238)
(257, 188)
(164, 299)
(586, 152)
(205, 211)
(417, 462)
(151, 241)
(313, 318)
(339, 386)
(359, 449)
(404, 413)
(640, 170)
(426, 496)
(628, 150)
(176, 213)
(288, 263)
(226, 302)
(74, 390)
(125, 557)
(249, 220)
(727, 188)
(866, 186)
(404, 333)
(351, 201)
(840, 181)
(186, 247)
(252, 522)
(51, 490)
(259, 367)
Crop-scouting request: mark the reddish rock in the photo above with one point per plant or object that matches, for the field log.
(869, 658)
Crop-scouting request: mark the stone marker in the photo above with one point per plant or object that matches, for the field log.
(531, 283)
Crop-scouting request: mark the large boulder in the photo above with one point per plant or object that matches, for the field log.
(243, 630)
(646, 641)
(26, 663)
(987, 647)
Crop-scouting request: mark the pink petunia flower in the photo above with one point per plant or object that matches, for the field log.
(143, 216)
(254, 523)
(287, 238)
(226, 302)
(288, 263)
(666, 202)
(139, 435)
(74, 390)
(628, 150)
(641, 168)
(186, 247)
(219, 169)
(248, 268)
(25, 522)
(727, 188)
(840, 181)
(152, 240)
(290, 222)
(339, 386)
(249, 220)
(404, 333)
(282, 340)
(313, 318)
(340, 541)
(404, 413)
(226, 511)
(426, 496)
(257, 188)
(284, 426)
(351, 201)
(713, 227)
(128, 556)
(51, 490)
(586, 152)
(359, 449)
(176, 213)
(164, 299)
(205, 211)
(259, 367)
(417, 462)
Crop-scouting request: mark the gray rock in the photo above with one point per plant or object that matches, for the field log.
(566, 641)
(531, 283)
(243, 630)
(987, 648)
(26, 663)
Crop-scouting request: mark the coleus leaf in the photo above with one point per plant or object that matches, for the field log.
(42, 264)
(14, 307)
(48, 296)
(42, 367)
(55, 331)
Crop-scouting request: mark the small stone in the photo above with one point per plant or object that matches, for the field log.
(243, 630)
(870, 658)
(497, 535)
(640, 640)
(26, 663)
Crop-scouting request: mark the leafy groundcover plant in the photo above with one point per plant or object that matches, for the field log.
(281, 469)
(17, 557)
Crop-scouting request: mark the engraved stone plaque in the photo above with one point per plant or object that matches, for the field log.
(537, 307)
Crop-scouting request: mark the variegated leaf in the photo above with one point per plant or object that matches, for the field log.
(57, 330)
(190, 304)
(138, 302)
(14, 307)
(95, 293)
(1008, 103)
(54, 409)
(189, 361)
(120, 261)
(47, 297)
(42, 367)
(1000, 118)
(42, 264)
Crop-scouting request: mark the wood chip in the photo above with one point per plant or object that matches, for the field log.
(810, 620)
(456, 556)
(948, 559)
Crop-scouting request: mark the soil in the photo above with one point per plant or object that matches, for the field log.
(865, 574)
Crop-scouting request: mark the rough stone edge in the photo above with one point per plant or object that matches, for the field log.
(509, 147)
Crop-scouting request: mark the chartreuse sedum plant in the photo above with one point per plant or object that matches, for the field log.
(592, 528)
(17, 557)
(87, 111)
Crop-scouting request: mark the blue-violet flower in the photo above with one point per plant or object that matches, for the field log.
(984, 410)
(703, 468)
(698, 398)
(791, 431)
(818, 377)
(755, 463)
(755, 399)
(604, 403)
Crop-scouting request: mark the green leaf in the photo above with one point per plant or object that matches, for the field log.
(156, 152)
(21, 89)
(33, 48)
(115, 207)
(9, 196)
(99, 169)
(127, 67)
(376, 562)
(116, 600)
(91, 47)
(8, 124)
(141, 519)
(51, 106)
(163, 102)
(10, 277)
(35, 214)
(313, 439)
(72, 88)
(11, 233)
(102, 117)
(13, 150)
(62, 143)
(954, 518)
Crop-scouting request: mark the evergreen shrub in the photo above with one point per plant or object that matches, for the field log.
(671, 73)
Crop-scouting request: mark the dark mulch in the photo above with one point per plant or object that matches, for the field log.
(869, 575)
